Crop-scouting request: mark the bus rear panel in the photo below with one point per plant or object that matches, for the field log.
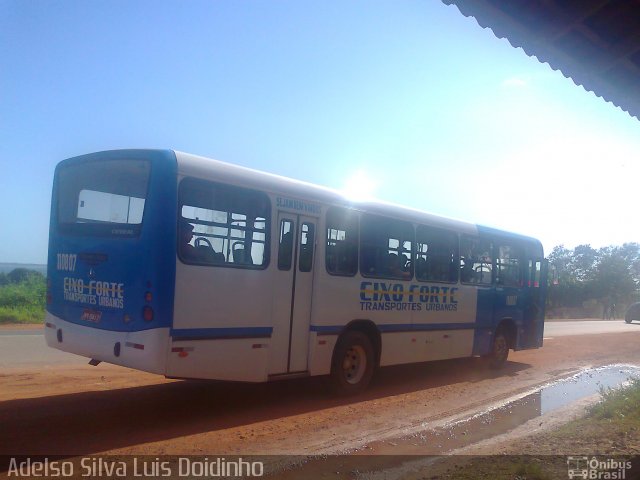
(111, 264)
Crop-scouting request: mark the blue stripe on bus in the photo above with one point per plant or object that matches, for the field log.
(182, 334)
(389, 328)
(264, 332)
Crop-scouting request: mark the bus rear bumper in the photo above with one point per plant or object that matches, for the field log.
(143, 350)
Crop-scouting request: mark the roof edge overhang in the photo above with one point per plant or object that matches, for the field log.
(537, 41)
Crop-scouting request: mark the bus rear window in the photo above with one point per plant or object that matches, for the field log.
(103, 197)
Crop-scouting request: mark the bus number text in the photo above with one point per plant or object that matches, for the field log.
(67, 262)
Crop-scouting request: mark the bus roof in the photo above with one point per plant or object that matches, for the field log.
(203, 167)
(215, 170)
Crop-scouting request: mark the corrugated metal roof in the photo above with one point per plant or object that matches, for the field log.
(595, 43)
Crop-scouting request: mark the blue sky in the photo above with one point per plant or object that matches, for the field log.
(414, 99)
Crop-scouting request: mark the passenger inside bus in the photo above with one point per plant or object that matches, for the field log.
(202, 251)
(187, 250)
(394, 266)
(467, 275)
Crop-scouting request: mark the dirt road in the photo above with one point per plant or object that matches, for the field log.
(79, 410)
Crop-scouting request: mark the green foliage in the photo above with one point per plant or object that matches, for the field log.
(607, 275)
(618, 404)
(21, 315)
(23, 275)
(22, 296)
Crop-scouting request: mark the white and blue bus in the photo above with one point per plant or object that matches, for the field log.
(192, 268)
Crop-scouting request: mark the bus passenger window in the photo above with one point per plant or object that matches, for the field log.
(436, 255)
(230, 224)
(508, 266)
(476, 263)
(286, 245)
(307, 242)
(386, 248)
(342, 242)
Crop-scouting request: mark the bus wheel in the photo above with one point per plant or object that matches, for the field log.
(352, 363)
(499, 350)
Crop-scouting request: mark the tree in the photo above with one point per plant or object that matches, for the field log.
(631, 254)
(583, 262)
(607, 275)
(22, 275)
(613, 280)
(566, 289)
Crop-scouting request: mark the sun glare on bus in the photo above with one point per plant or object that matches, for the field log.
(359, 187)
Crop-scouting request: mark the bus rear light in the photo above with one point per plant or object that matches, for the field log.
(148, 297)
(183, 354)
(147, 314)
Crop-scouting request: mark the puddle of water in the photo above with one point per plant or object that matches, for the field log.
(479, 427)
(507, 417)
(584, 384)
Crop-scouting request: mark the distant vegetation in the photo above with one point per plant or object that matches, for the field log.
(38, 267)
(22, 296)
(584, 282)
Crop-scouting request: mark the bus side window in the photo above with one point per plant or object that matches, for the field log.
(230, 224)
(508, 266)
(436, 255)
(475, 261)
(386, 248)
(307, 242)
(342, 242)
(286, 245)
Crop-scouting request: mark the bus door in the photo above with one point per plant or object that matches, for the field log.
(292, 289)
(476, 273)
(535, 294)
(509, 299)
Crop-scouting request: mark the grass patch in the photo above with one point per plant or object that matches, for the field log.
(610, 427)
(10, 315)
(622, 404)
(22, 297)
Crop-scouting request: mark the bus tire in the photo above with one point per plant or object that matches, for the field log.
(499, 350)
(352, 365)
